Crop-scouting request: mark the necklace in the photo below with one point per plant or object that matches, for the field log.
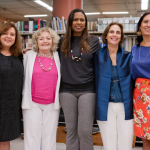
(51, 64)
(45, 55)
(145, 57)
(76, 58)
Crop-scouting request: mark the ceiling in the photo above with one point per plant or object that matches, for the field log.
(16, 9)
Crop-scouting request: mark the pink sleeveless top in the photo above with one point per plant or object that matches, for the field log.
(43, 85)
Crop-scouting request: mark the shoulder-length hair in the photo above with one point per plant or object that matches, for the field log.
(55, 38)
(67, 40)
(104, 35)
(140, 38)
(16, 48)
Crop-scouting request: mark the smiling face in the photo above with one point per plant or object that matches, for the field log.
(44, 41)
(114, 35)
(7, 39)
(145, 26)
(78, 23)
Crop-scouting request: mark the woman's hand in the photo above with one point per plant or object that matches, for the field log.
(25, 50)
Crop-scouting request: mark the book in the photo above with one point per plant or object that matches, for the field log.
(60, 27)
(29, 42)
(38, 22)
(35, 25)
(63, 22)
(31, 26)
(54, 22)
(26, 26)
(57, 23)
(22, 26)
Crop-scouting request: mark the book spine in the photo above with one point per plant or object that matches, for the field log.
(22, 26)
(35, 25)
(30, 26)
(38, 21)
(60, 27)
(26, 26)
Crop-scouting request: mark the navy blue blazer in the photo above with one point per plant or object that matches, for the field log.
(103, 68)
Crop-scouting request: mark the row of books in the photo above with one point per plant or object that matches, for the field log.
(26, 42)
(129, 23)
(31, 25)
(59, 25)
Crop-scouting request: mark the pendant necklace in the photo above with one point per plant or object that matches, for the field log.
(145, 57)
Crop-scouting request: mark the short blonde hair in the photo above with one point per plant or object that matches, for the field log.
(54, 35)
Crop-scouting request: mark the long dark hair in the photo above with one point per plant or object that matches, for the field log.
(140, 38)
(67, 40)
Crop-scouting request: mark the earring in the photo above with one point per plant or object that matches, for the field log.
(139, 33)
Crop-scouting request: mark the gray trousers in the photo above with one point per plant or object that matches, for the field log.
(79, 110)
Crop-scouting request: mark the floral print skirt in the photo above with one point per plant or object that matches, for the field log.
(141, 110)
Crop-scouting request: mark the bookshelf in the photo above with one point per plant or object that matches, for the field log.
(96, 28)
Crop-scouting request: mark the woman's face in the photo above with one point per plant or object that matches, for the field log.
(145, 26)
(78, 23)
(44, 41)
(7, 39)
(114, 35)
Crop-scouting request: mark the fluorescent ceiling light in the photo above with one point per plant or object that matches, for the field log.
(115, 12)
(96, 13)
(144, 4)
(44, 5)
(35, 15)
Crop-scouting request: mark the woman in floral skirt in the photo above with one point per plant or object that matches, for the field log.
(141, 75)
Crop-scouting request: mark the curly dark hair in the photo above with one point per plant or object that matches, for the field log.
(16, 48)
(67, 40)
(140, 38)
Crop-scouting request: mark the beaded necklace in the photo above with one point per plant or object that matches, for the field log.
(76, 58)
(51, 64)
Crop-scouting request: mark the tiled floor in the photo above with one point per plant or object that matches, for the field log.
(18, 145)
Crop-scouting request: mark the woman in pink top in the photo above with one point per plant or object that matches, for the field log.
(40, 101)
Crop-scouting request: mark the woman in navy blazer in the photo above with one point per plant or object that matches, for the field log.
(114, 89)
